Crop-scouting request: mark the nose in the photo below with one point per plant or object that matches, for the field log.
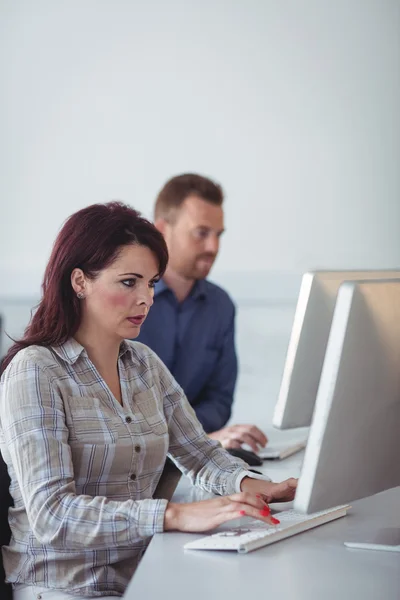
(146, 297)
(212, 243)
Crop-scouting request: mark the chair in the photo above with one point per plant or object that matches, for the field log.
(5, 532)
(168, 481)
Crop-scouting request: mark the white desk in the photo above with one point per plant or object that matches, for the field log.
(313, 565)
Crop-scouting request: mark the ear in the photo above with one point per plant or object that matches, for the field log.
(161, 225)
(78, 281)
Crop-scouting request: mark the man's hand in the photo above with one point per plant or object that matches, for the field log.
(237, 435)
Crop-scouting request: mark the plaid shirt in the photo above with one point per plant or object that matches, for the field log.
(84, 468)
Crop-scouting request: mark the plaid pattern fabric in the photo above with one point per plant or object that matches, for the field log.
(84, 468)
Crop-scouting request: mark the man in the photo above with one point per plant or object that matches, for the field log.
(191, 324)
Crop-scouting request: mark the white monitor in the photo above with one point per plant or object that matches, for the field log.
(307, 345)
(353, 448)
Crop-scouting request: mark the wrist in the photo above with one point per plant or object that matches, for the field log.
(256, 484)
(171, 517)
(248, 484)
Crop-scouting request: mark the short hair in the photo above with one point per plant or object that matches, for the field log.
(177, 189)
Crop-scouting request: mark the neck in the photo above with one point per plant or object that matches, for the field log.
(178, 284)
(101, 350)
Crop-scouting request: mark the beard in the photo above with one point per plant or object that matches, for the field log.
(202, 265)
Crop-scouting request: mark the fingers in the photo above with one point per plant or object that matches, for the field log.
(231, 444)
(250, 505)
(244, 438)
(292, 482)
(208, 514)
(261, 515)
(249, 512)
(247, 498)
(256, 434)
(273, 492)
(235, 440)
(236, 435)
(289, 485)
(250, 431)
(282, 492)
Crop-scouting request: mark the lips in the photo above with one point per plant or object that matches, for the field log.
(206, 259)
(137, 320)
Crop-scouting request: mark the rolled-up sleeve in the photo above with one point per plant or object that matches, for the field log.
(35, 445)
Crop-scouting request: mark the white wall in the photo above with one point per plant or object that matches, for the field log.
(293, 105)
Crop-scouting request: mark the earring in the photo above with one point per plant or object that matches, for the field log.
(80, 295)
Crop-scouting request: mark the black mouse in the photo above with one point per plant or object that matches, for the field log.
(247, 455)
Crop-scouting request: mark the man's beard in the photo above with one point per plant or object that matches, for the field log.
(202, 272)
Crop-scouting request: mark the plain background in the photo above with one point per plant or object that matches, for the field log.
(292, 105)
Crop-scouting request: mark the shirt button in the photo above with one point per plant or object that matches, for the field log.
(137, 448)
(128, 419)
(133, 476)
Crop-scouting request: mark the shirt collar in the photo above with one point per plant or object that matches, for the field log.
(71, 350)
(199, 289)
(160, 287)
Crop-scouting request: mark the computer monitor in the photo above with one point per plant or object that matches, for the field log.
(307, 345)
(353, 447)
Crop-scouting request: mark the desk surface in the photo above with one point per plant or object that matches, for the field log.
(309, 566)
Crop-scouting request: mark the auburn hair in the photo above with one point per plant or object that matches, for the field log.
(90, 240)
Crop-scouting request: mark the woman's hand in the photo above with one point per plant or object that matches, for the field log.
(208, 514)
(272, 492)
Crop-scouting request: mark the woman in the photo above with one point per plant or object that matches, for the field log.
(87, 419)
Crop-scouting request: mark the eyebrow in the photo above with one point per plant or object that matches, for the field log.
(138, 275)
(134, 274)
(209, 228)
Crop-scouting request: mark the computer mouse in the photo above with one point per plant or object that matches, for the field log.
(247, 455)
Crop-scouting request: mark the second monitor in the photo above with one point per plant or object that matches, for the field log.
(308, 341)
(354, 444)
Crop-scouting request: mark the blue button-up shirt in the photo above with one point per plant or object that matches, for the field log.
(195, 339)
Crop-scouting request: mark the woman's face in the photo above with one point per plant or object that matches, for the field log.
(118, 300)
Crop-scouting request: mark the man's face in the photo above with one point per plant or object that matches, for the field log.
(193, 237)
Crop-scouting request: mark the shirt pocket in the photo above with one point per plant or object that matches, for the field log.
(149, 406)
(90, 421)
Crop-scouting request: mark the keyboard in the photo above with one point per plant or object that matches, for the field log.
(256, 534)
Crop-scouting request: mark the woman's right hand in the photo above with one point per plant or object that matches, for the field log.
(208, 514)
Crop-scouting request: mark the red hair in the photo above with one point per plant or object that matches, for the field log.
(90, 240)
